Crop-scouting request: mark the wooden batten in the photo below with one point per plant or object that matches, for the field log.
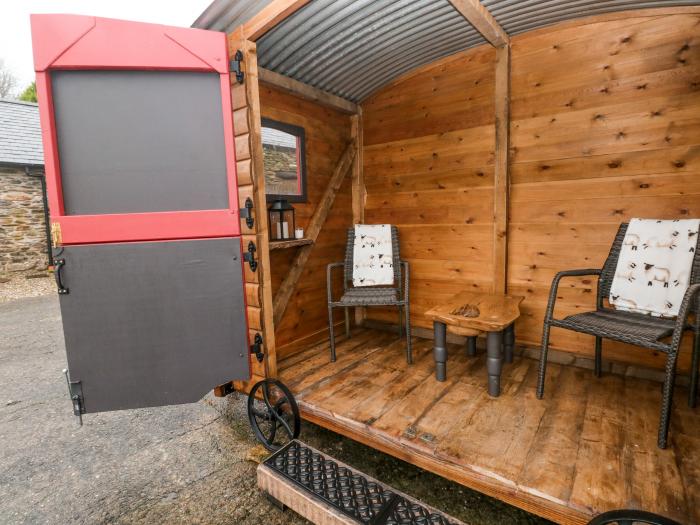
(483, 21)
(358, 189)
(501, 183)
(269, 16)
(306, 91)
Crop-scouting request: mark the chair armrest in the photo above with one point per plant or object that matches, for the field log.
(555, 286)
(691, 294)
(404, 266)
(329, 284)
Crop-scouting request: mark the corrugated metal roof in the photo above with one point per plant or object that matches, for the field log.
(20, 134)
(353, 47)
(518, 16)
(275, 137)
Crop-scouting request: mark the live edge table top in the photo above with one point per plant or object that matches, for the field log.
(496, 311)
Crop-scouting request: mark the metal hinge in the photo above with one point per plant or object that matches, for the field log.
(235, 66)
(75, 392)
(256, 348)
(249, 256)
(56, 236)
(247, 213)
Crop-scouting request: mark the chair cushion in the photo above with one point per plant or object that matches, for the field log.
(369, 296)
(628, 327)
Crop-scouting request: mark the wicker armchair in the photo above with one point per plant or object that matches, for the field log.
(633, 328)
(396, 295)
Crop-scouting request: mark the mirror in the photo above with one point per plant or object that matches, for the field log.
(283, 160)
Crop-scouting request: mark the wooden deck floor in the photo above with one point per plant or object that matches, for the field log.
(589, 446)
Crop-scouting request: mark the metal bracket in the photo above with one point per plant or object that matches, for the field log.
(247, 213)
(249, 256)
(58, 265)
(255, 348)
(235, 66)
(75, 392)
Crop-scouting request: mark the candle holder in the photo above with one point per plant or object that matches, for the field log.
(281, 220)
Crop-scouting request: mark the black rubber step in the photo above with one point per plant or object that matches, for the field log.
(364, 500)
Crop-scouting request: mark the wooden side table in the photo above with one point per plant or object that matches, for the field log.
(497, 313)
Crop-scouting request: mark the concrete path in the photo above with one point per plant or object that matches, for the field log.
(182, 464)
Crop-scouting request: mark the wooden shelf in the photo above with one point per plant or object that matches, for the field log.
(291, 243)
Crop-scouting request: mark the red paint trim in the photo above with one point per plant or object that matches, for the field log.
(83, 42)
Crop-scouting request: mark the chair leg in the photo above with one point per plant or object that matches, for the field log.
(409, 349)
(543, 360)
(331, 332)
(667, 400)
(598, 356)
(347, 322)
(693, 390)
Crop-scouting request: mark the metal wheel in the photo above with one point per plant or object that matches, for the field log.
(273, 414)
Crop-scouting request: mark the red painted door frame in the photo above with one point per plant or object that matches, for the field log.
(72, 42)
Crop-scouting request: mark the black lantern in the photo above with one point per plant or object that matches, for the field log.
(281, 219)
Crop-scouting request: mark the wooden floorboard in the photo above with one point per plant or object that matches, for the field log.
(587, 447)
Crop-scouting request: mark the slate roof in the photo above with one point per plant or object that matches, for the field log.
(20, 134)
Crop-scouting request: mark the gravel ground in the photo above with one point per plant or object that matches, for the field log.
(26, 285)
(181, 464)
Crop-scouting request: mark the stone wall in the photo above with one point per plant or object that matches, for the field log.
(22, 230)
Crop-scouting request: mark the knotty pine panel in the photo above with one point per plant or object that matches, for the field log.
(615, 137)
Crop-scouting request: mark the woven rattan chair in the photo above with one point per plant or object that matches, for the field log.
(637, 329)
(396, 295)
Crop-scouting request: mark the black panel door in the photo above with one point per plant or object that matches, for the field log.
(153, 323)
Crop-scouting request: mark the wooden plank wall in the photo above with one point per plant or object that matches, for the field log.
(429, 169)
(327, 134)
(605, 126)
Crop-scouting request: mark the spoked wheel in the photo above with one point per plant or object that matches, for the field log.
(273, 414)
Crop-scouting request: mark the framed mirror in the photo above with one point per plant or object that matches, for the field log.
(284, 161)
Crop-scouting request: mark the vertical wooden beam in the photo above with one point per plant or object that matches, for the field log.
(358, 187)
(501, 184)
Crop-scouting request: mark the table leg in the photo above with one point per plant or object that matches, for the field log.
(508, 343)
(471, 346)
(494, 362)
(440, 350)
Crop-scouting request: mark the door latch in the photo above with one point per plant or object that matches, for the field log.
(75, 392)
(247, 213)
(256, 348)
(235, 66)
(249, 256)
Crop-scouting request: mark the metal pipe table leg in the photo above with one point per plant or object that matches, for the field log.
(471, 346)
(494, 362)
(440, 350)
(508, 343)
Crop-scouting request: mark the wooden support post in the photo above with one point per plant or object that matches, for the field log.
(358, 188)
(483, 21)
(501, 184)
(284, 292)
(306, 91)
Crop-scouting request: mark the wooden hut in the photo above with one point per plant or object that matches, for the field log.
(507, 141)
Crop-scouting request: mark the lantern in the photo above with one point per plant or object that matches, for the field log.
(281, 219)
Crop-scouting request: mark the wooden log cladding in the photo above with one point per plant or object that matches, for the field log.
(327, 134)
(605, 126)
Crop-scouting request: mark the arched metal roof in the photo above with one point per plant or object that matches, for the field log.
(351, 48)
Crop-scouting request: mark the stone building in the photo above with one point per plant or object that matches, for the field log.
(24, 243)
